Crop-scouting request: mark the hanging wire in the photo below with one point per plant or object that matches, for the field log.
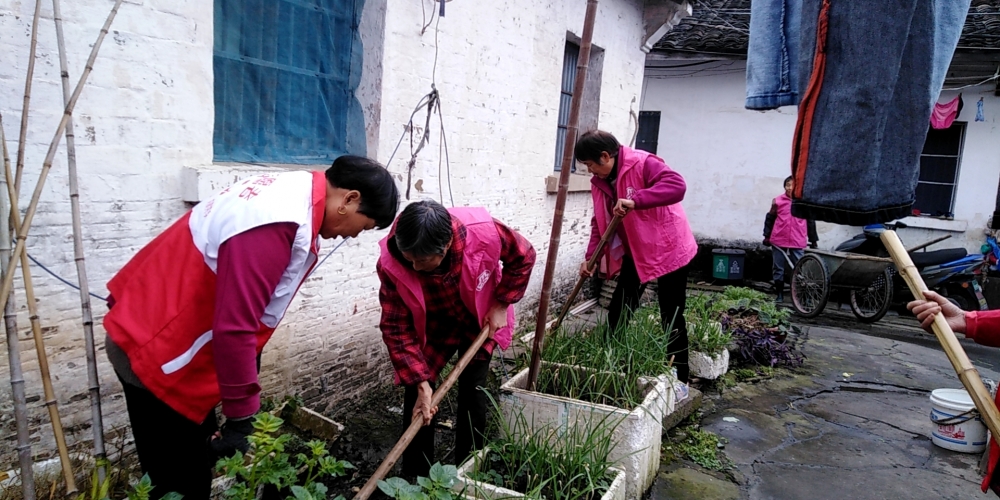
(988, 80)
(320, 263)
(447, 158)
(105, 299)
(60, 278)
(431, 100)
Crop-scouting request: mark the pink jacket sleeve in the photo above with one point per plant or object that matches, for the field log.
(664, 186)
(983, 327)
(249, 268)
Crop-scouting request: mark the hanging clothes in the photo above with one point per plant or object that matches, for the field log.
(979, 111)
(945, 114)
(870, 74)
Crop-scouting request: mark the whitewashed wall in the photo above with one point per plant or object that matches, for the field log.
(735, 160)
(144, 146)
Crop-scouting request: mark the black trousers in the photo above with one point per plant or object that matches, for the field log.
(469, 430)
(672, 295)
(172, 449)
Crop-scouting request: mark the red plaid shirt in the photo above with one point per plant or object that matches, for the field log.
(450, 324)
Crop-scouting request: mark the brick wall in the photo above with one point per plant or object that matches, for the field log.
(147, 115)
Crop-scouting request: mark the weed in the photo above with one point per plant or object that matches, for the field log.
(727, 381)
(702, 447)
(744, 374)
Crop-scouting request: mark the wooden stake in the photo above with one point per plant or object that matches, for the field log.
(97, 420)
(36, 332)
(572, 129)
(23, 135)
(22, 237)
(612, 226)
(14, 354)
(959, 360)
(418, 422)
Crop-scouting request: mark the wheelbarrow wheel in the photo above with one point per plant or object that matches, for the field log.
(870, 304)
(810, 286)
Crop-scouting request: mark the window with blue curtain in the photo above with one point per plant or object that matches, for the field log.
(285, 76)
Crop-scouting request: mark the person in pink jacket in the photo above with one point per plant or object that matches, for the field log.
(654, 240)
(981, 326)
(787, 235)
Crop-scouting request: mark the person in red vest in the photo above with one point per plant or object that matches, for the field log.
(190, 313)
(441, 285)
(654, 243)
(980, 326)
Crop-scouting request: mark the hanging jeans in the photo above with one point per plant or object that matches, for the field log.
(868, 76)
(773, 54)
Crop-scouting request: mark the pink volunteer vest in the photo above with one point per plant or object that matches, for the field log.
(481, 271)
(660, 238)
(789, 231)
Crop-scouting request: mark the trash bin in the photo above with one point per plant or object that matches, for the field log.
(727, 264)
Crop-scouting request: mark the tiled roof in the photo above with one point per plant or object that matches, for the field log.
(723, 27)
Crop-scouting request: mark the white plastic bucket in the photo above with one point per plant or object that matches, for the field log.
(957, 425)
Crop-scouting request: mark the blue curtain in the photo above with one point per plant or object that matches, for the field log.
(285, 76)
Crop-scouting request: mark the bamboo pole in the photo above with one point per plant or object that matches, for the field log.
(612, 226)
(956, 355)
(23, 134)
(36, 332)
(8, 278)
(571, 132)
(93, 379)
(417, 423)
(14, 353)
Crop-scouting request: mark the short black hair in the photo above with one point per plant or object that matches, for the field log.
(591, 144)
(787, 180)
(423, 229)
(379, 195)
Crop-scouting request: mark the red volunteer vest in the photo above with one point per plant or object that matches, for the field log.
(481, 271)
(165, 295)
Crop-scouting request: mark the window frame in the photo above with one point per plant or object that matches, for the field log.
(962, 133)
(567, 85)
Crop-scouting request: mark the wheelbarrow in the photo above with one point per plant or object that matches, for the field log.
(819, 272)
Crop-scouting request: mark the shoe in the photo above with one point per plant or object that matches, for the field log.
(681, 392)
(779, 288)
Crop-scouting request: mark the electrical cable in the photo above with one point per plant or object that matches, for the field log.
(105, 299)
(447, 158)
(60, 278)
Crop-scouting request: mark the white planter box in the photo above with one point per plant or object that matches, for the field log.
(476, 490)
(708, 367)
(637, 436)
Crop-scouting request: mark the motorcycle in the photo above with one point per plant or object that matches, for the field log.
(951, 272)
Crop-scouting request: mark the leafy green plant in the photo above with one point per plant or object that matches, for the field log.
(702, 448)
(637, 350)
(268, 463)
(435, 487)
(708, 337)
(543, 463)
(738, 294)
(705, 333)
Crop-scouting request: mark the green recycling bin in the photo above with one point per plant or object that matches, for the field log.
(727, 264)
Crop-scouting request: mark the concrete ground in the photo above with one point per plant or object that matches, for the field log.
(851, 423)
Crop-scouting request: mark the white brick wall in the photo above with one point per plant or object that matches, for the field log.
(147, 114)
